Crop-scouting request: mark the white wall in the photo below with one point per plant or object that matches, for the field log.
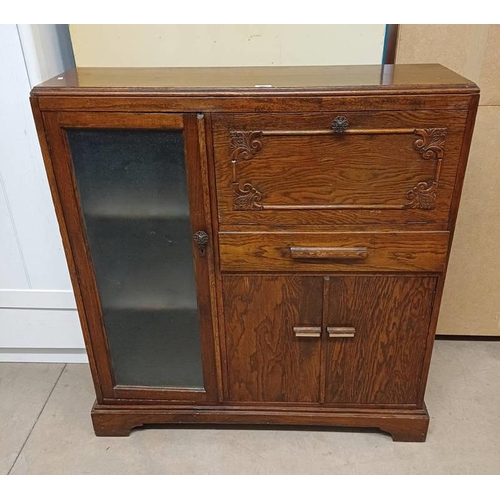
(226, 44)
(38, 319)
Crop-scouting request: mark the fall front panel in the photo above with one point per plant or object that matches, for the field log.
(327, 168)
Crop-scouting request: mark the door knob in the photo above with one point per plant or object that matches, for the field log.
(201, 239)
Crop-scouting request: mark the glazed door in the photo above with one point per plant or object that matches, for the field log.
(375, 335)
(132, 197)
(273, 336)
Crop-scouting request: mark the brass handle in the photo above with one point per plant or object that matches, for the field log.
(307, 331)
(340, 332)
(201, 239)
(356, 253)
(340, 124)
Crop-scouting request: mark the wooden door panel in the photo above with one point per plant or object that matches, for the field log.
(267, 362)
(379, 329)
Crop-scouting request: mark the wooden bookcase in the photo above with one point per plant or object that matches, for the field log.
(258, 245)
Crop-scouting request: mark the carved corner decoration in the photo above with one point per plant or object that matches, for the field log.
(247, 197)
(244, 144)
(423, 195)
(430, 145)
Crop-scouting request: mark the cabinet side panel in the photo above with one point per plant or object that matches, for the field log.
(101, 373)
(457, 193)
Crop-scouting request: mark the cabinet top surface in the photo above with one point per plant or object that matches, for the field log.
(388, 78)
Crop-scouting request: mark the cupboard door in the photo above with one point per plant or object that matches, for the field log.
(376, 334)
(273, 336)
(137, 202)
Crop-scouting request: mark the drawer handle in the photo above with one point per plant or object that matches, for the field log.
(307, 331)
(340, 332)
(340, 124)
(356, 253)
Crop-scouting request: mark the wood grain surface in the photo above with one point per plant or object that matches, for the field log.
(292, 169)
(176, 102)
(425, 77)
(266, 360)
(402, 425)
(382, 362)
(271, 251)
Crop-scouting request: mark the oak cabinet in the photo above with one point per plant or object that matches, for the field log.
(258, 245)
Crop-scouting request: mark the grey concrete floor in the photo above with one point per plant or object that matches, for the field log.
(45, 428)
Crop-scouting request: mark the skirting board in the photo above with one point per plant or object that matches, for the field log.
(40, 326)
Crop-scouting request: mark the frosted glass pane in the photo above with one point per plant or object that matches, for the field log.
(132, 188)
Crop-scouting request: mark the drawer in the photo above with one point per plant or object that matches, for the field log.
(337, 168)
(324, 252)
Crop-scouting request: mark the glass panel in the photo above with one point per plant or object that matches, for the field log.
(132, 187)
